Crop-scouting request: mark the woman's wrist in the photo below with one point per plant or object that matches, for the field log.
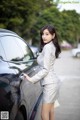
(30, 80)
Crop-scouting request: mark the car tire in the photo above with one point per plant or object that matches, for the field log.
(19, 116)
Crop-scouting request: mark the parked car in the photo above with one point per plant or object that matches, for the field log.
(76, 52)
(19, 98)
(65, 45)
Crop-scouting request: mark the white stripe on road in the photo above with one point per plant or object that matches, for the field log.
(68, 77)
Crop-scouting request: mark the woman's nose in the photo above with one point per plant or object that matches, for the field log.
(43, 36)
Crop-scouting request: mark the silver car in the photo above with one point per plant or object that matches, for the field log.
(76, 52)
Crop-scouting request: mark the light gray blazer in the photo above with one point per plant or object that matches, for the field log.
(46, 60)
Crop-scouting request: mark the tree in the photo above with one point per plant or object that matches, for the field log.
(20, 15)
(67, 24)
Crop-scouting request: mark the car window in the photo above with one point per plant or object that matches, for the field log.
(14, 49)
(2, 53)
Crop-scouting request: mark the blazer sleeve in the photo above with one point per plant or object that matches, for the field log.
(47, 54)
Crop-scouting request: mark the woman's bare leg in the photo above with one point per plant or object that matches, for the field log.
(52, 112)
(46, 111)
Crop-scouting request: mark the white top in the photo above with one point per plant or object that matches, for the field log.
(46, 60)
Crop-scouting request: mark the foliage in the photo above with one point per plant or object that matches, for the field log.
(67, 23)
(20, 15)
(26, 17)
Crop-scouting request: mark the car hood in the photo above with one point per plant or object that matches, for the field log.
(76, 50)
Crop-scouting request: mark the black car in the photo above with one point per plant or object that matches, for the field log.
(19, 98)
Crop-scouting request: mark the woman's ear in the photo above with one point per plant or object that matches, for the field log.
(53, 35)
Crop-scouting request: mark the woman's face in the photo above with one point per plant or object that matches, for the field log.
(47, 36)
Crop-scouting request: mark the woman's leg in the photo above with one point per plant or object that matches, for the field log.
(46, 111)
(52, 112)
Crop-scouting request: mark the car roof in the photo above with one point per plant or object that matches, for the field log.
(4, 32)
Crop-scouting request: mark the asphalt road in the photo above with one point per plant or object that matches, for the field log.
(68, 70)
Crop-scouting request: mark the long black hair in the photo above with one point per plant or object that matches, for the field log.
(51, 30)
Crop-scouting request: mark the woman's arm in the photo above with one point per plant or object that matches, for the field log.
(47, 51)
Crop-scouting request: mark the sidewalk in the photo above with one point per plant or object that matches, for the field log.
(69, 100)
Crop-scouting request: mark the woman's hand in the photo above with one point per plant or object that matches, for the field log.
(26, 77)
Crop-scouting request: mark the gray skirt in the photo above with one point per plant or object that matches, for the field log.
(50, 93)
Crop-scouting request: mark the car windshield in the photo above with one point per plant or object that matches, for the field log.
(14, 49)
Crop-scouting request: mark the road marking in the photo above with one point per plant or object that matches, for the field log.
(68, 77)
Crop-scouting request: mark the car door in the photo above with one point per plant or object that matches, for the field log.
(20, 59)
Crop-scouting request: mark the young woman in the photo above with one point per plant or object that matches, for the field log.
(50, 50)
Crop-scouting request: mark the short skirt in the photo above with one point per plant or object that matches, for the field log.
(50, 93)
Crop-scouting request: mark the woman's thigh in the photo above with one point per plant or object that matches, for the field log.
(50, 94)
(46, 107)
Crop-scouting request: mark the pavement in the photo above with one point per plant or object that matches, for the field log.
(68, 69)
(69, 100)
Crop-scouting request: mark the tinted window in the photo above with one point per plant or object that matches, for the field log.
(14, 49)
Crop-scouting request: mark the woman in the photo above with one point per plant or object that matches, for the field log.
(50, 50)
